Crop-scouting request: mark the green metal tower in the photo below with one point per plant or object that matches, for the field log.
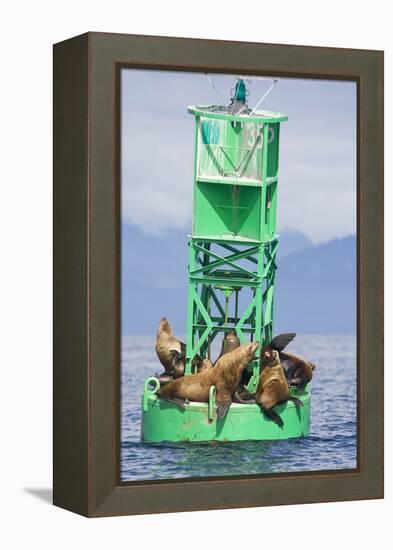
(233, 245)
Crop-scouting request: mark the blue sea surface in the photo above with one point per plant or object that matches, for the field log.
(331, 444)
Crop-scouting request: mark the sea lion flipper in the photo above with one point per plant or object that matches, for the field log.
(222, 409)
(224, 401)
(176, 401)
(281, 341)
(298, 402)
(275, 417)
(245, 401)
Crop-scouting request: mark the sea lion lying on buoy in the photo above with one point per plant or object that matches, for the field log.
(170, 351)
(225, 376)
(298, 371)
(272, 387)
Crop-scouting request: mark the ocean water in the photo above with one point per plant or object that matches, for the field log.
(331, 444)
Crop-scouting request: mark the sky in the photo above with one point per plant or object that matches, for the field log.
(317, 172)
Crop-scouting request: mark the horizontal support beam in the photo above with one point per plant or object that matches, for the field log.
(233, 320)
(221, 240)
(222, 328)
(228, 281)
(228, 180)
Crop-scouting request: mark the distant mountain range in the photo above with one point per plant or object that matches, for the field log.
(315, 284)
(316, 289)
(291, 242)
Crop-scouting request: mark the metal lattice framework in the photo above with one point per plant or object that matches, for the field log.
(214, 275)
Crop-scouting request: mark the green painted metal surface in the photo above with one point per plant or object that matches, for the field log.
(164, 421)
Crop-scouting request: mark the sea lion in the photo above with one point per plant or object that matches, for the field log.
(177, 366)
(273, 387)
(165, 343)
(225, 376)
(278, 343)
(170, 351)
(229, 343)
(298, 371)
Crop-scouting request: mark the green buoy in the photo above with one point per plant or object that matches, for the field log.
(232, 252)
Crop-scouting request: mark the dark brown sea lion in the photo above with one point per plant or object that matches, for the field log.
(177, 366)
(297, 371)
(225, 376)
(272, 387)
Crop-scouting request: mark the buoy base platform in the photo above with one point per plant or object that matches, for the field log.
(165, 421)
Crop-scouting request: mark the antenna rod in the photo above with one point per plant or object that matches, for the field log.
(214, 88)
(263, 97)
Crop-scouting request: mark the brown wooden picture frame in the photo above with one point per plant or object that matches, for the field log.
(87, 273)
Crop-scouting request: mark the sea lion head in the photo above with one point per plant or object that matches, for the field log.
(164, 327)
(177, 364)
(270, 357)
(205, 365)
(230, 342)
(251, 349)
